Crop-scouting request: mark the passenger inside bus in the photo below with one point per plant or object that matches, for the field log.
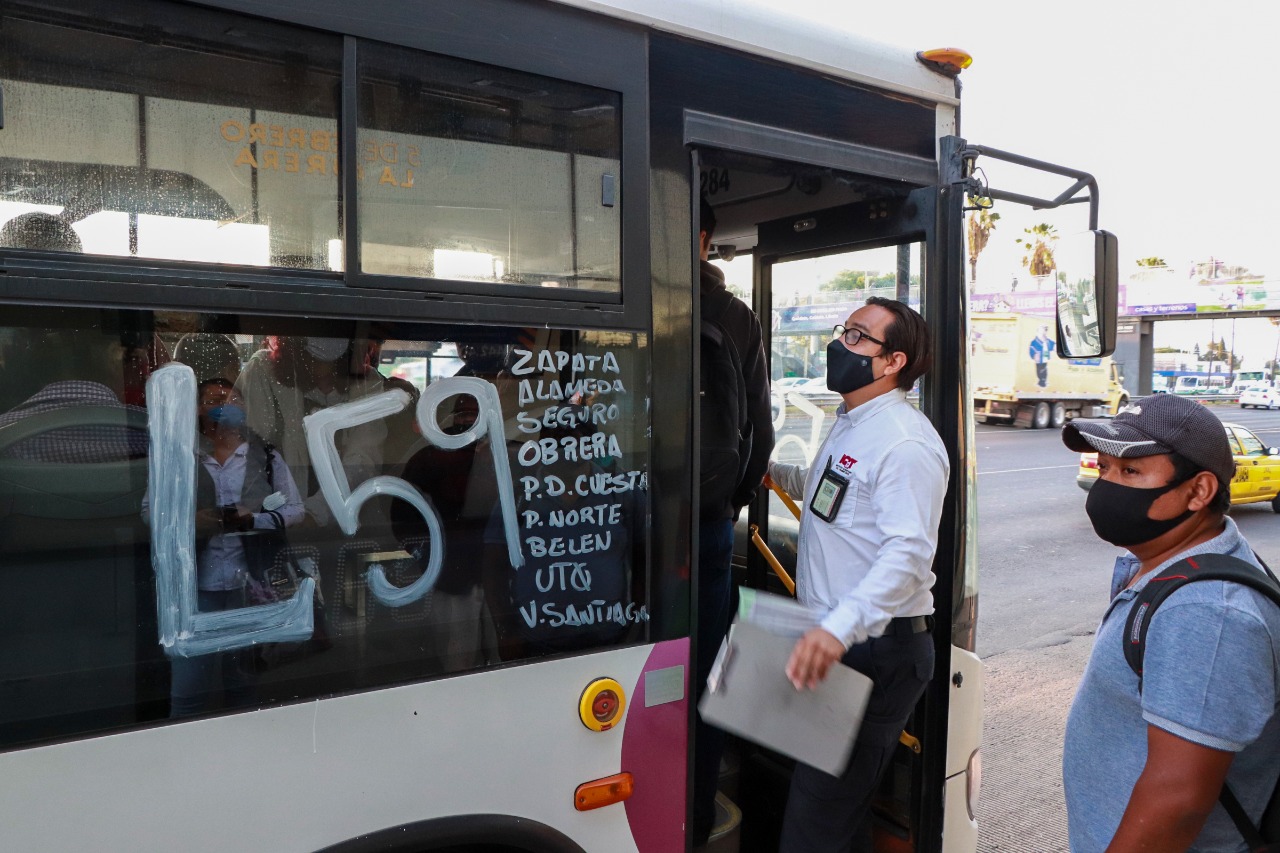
(86, 367)
(460, 634)
(295, 376)
(40, 231)
(242, 487)
(73, 465)
(210, 355)
(575, 590)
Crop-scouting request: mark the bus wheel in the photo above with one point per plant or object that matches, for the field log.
(1059, 416)
(1040, 419)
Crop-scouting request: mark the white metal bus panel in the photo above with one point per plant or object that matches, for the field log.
(360, 763)
(766, 31)
(948, 124)
(964, 737)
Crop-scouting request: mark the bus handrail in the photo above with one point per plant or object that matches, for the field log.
(771, 560)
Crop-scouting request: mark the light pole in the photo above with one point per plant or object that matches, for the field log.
(1231, 365)
(1213, 345)
(1275, 356)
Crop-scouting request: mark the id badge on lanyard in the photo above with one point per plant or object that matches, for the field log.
(829, 494)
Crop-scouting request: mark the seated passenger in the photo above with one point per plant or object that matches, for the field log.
(87, 366)
(40, 231)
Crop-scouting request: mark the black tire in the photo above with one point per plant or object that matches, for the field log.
(1041, 416)
(1275, 504)
(1058, 416)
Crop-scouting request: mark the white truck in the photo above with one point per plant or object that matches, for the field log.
(1018, 378)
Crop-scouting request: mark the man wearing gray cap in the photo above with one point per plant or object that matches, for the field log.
(1144, 762)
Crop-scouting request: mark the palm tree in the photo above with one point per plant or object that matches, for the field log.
(981, 223)
(1039, 246)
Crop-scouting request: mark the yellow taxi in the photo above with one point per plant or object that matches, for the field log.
(1257, 469)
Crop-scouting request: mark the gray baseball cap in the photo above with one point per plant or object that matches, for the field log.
(1161, 423)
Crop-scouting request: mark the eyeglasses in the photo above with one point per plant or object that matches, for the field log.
(852, 336)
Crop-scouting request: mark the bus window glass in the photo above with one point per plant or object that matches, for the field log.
(810, 297)
(510, 522)
(197, 137)
(473, 173)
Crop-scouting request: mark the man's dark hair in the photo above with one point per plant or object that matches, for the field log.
(706, 218)
(1184, 469)
(215, 380)
(909, 335)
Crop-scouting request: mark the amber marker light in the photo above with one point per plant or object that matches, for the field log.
(948, 60)
(603, 792)
(602, 704)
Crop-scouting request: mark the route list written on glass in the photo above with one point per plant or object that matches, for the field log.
(580, 503)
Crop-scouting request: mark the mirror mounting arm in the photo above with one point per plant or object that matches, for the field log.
(1083, 180)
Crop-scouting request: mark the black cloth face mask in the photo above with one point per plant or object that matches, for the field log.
(1119, 514)
(847, 371)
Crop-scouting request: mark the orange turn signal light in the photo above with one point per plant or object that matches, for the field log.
(603, 792)
(948, 60)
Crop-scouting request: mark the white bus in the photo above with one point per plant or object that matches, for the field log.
(348, 412)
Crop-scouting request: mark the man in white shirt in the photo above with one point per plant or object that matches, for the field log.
(872, 499)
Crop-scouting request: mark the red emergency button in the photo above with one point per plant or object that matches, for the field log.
(602, 704)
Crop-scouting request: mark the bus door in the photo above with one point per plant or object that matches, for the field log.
(806, 246)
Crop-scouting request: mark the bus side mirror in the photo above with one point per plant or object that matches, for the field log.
(1088, 288)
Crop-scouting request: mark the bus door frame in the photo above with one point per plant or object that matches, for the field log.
(933, 214)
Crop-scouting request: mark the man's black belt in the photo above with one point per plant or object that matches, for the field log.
(905, 626)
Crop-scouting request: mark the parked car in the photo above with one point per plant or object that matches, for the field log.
(1257, 469)
(786, 383)
(814, 386)
(1260, 396)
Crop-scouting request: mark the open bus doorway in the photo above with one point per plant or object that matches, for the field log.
(806, 245)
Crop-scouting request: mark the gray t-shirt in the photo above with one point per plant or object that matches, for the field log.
(1211, 676)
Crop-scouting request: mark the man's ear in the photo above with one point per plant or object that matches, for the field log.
(1204, 487)
(897, 361)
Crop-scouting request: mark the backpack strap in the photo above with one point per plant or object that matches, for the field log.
(1250, 833)
(1266, 568)
(1201, 567)
(270, 451)
(714, 307)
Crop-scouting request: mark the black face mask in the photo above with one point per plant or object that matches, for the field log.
(1119, 514)
(847, 371)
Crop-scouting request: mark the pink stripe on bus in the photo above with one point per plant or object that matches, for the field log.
(654, 751)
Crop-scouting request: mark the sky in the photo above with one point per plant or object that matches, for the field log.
(1165, 103)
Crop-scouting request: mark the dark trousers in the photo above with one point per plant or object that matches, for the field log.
(829, 814)
(197, 681)
(715, 591)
